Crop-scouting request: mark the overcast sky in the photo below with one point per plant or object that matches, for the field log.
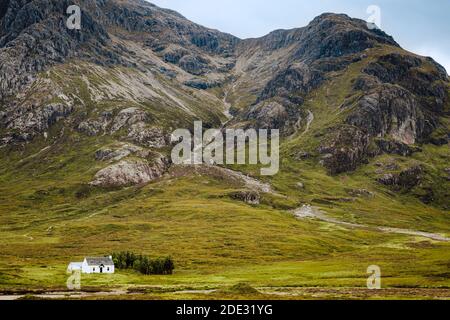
(421, 26)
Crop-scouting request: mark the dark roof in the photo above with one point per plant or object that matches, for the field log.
(96, 261)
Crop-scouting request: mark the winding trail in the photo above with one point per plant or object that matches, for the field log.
(227, 104)
(310, 212)
(309, 121)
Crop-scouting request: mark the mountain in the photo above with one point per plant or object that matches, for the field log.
(86, 117)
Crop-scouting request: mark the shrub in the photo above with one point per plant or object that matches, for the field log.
(143, 264)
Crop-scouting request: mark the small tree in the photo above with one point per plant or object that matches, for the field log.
(169, 266)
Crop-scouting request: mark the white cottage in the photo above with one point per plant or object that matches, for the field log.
(93, 265)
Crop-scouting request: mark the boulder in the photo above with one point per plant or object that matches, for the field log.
(130, 172)
(250, 197)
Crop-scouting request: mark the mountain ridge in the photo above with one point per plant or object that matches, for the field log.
(86, 119)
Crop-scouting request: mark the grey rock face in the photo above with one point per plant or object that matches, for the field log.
(406, 179)
(249, 197)
(331, 35)
(28, 121)
(193, 64)
(128, 117)
(270, 115)
(33, 36)
(130, 172)
(393, 111)
(150, 137)
(405, 70)
(117, 154)
(329, 43)
(298, 79)
(93, 127)
(345, 149)
(201, 84)
(394, 147)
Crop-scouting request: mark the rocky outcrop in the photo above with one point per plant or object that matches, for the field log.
(119, 153)
(249, 197)
(34, 36)
(395, 147)
(424, 78)
(27, 121)
(344, 149)
(93, 127)
(279, 114)
(297, 79)
(333, 35)
(390, 110)
(130, 172)
(308, 56)
(195, 65)
(128, 117)
(406, 179)
(202, 84)
(151, 137)
(360, 193)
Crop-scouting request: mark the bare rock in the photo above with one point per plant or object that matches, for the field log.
(250, 197)
(406, 179)
(130, 172)
(27, 121)
(93, 127)
(388, 179)
(280, 114)
(108, 154)
(128, 117)
(360, 193)
(391, 111)
(302, 155)
(298, 78)
(344, 149)
(193, 64)
(151, 137)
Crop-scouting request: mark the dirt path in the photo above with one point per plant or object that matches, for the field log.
(310, 212)
(309, 121)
